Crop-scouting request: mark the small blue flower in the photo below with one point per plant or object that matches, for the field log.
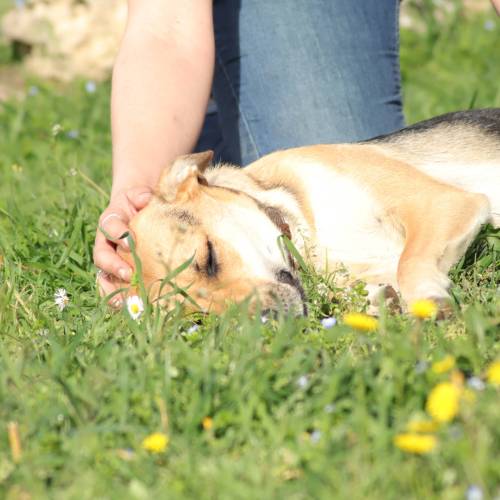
(328, 322)
(329, 408)
(489, 25)
(193, 328)
(33, 90)
(455, 432)
(20, 3)
(90, 87)
(315, 436)
(476, 383)
(474, 492)
(73, 134)
(421, 366)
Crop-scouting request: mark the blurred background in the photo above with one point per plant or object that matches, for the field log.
(448, 49)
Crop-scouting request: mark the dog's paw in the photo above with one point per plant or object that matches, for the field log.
(383, 294)
(445, 307)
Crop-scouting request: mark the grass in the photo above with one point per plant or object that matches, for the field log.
(299, 411)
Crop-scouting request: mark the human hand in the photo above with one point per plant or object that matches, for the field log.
(112, 270)
(496, 4)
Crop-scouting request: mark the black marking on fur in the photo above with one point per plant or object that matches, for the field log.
(183, 216)
(487, 120)
(277, 218)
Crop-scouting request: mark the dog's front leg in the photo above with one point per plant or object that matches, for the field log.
(437, 235)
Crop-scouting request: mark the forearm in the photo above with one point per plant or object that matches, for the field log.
(161, 85)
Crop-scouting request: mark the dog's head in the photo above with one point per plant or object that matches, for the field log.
(232, 239)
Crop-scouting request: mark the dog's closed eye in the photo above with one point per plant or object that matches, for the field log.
(211, 266)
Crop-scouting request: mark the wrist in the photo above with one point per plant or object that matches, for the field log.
(123, 183)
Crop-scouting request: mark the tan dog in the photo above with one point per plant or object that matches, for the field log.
(397, 211)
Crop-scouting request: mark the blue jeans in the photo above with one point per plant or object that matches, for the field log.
(296, 72)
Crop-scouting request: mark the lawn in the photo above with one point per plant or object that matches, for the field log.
(290, 408)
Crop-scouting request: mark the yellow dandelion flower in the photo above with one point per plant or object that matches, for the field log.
(422, 426)
(442, 403)
(415, 443)
(207, 423)
(156, 442)
(444, 365)
(423, 309)
(493, 373)
(361, 322)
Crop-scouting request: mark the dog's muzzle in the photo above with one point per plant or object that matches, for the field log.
(285, 295)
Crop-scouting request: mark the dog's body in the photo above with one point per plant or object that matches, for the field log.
(396, 211)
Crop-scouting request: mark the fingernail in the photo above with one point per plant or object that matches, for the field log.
(125, 274)
(125, 242)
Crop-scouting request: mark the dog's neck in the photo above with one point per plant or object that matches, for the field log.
(277, 200)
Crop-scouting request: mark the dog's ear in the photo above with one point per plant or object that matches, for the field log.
(182, 180)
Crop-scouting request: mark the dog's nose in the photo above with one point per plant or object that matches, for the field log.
(287, 278)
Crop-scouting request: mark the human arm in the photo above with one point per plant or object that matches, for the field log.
(161, 84)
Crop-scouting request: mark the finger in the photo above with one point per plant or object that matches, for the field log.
(114, 226)
(139, 197)
(496, 4)
(106, 258)
(106, 286)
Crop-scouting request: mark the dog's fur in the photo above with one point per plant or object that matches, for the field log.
(397, 211)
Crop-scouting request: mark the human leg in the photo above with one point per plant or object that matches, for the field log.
(291, 73)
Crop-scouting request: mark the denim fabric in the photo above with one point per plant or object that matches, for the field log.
(297, 72)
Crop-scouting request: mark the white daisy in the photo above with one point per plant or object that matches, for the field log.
(303, 381)
(61, 298)
(135, 306)
(56, 129)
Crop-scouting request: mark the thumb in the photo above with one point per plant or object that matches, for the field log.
(139, 197)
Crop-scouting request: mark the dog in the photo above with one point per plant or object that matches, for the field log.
(396, 211)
